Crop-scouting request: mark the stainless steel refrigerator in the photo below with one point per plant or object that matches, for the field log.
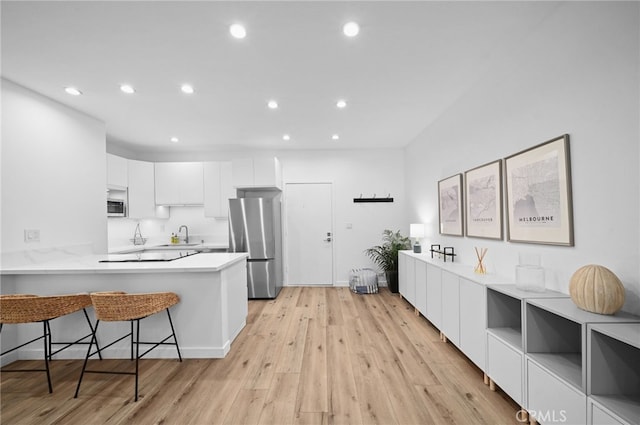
(255, 227)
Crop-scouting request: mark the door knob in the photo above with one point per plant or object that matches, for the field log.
(328, 237)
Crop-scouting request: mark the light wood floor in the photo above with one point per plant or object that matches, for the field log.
(312, 356)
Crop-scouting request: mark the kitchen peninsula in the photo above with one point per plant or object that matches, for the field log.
(211, 313)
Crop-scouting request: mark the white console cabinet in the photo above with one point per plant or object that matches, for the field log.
(560, 363)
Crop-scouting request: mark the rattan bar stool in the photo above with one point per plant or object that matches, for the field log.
(124, 307)
(27, 308)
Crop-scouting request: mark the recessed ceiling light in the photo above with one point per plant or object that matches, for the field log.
(286, 137)
(351, 29)
(272, 104)
(238, 31)
(187, 88)
(73, 91)
(126, 88)
(341, 103)
(335, 137)
(175, 140)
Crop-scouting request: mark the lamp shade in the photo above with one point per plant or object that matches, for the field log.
(416, 230)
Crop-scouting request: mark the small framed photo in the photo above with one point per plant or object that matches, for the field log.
(538, 189)
(483, 201)
(450, 205)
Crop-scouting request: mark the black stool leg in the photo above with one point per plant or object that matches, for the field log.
(86, 359)
(137, 352)
(86, 316)
(173, 332)
(47, 346)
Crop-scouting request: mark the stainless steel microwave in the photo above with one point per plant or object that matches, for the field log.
(116, 208)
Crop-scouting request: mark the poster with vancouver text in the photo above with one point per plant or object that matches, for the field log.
(483, 201)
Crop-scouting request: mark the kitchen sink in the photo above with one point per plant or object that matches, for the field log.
(147, 256)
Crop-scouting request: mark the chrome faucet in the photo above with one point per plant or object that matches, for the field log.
(186, 239)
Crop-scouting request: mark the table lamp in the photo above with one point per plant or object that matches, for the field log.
(416, 231)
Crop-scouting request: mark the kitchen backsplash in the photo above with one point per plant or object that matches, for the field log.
(158, 231)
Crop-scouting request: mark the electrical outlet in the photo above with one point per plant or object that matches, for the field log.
(31, 235)
(349, 226)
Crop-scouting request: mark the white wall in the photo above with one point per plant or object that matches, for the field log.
(577, 73)
(53, 175)
(352, 173)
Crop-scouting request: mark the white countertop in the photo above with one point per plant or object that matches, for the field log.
(461, 270)
(201, 262)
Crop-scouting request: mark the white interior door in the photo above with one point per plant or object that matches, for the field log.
(308, 234)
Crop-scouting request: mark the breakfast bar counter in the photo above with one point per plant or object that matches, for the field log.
(211, 313)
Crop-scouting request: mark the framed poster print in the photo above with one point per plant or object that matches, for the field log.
(538, 187)
(450, 205)
(483, 201)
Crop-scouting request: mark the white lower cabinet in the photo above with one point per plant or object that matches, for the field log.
(598, 415)
(504, 366)
(473, 321)
(421, 286)
(552, 400)
(407, 278)
(451, 307)
(434, 295)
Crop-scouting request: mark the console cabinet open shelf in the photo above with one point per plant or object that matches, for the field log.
(505, 337)
(613, 378)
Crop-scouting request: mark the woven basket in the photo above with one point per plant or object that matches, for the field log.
(26, 308)
(119, 306)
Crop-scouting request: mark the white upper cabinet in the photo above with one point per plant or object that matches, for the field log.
(218, 188)
(116, 172)
(179, 183)
(257, 172)
(142, 202)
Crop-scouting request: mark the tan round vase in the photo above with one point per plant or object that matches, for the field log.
(596, 289)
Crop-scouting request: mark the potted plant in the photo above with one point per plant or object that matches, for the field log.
(386, 255)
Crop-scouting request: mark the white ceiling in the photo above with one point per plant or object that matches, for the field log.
(411, 61)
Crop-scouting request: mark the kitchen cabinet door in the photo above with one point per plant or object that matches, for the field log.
(116, 172)
(179, 183)
(141, 189)
(218, 189)
(257, 172)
